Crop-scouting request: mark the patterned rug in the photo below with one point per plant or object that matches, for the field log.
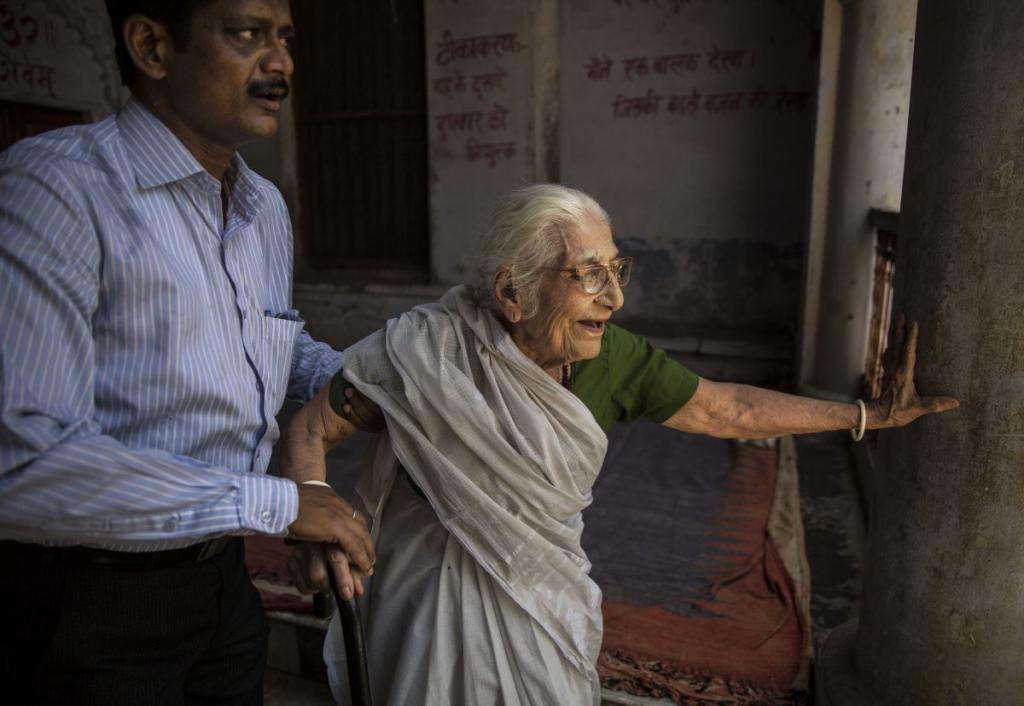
(697, 545)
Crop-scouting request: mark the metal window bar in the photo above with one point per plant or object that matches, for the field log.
(361, 129)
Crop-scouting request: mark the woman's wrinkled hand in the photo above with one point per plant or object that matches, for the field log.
(308, 566)
(899, 403)
(361, 413)
(328, 519)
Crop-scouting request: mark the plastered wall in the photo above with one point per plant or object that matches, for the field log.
(690, 121)
(59, 54)
(479, 59)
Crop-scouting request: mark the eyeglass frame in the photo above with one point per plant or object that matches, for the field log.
(578, 271)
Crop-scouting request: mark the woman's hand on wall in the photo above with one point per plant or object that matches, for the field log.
(899, 403)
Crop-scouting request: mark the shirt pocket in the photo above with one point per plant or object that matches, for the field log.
(275, 345)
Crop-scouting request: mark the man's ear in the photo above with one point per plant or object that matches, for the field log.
(506, 296)
(148, 44)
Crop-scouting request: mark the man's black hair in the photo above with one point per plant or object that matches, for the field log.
(175, 15)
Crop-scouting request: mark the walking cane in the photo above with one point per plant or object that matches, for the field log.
(355, 646)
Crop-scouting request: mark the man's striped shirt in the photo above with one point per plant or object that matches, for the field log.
(146, 341)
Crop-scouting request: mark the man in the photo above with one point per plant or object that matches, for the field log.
(146, 344)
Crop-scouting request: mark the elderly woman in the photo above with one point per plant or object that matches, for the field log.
(497, 400)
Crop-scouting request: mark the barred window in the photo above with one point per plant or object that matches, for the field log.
(360, 119)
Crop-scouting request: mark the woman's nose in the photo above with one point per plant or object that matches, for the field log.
(611, 296)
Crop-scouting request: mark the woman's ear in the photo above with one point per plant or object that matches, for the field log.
(148, 44)
(506, 296)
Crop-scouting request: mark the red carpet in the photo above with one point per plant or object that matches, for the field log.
(267, 559)
(716, 618)
(699, 608)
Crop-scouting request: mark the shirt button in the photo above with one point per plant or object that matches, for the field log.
(170, 526)
(267, 516)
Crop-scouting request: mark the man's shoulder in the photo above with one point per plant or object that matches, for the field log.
(63, 151)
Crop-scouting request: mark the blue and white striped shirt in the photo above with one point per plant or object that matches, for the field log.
(146, 341)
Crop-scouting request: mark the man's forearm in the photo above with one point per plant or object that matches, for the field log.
(95, 490)
(311, 433)
(302, 451)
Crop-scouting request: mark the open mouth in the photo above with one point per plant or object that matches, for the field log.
(270, 99)
(592, 325)
(269, 94)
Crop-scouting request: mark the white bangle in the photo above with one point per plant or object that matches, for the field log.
(858, 433)
(316, 482)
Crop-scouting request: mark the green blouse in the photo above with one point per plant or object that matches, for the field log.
(629, 378)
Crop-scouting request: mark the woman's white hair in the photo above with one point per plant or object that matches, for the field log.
(527, 234)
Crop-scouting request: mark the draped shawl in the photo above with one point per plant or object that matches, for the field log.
(506, 458)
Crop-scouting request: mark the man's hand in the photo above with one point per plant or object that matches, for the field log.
(324, 517)
(361, 413)
(309, 564)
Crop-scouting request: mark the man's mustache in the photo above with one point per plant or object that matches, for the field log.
(277, 87)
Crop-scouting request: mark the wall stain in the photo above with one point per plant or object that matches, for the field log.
(729, 284)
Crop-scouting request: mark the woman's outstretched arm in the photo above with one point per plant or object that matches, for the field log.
(729, 410)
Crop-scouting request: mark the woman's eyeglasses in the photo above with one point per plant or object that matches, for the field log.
(594, 278)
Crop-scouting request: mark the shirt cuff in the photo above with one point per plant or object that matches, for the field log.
(267, 504)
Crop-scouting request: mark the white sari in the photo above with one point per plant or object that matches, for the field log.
(481, 593)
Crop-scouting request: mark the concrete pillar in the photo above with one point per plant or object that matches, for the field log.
(866, 172)
(824, 146)
(942, 608)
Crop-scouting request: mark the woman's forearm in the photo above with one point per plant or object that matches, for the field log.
(741, 411)
(728, 410)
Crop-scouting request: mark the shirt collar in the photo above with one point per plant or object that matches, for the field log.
(157, 154)
(160, 158)
(246, 192)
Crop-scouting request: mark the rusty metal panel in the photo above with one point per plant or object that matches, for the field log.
(885, 225)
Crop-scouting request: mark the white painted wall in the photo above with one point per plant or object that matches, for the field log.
(714, 203)
(479, 71)
(702, 160)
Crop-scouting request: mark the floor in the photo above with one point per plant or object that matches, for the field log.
(283, 689)
(833, 516)
(833, 522)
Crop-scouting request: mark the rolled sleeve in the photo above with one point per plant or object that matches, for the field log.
(313, 365)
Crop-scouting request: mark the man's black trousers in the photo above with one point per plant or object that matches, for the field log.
(79, 631)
